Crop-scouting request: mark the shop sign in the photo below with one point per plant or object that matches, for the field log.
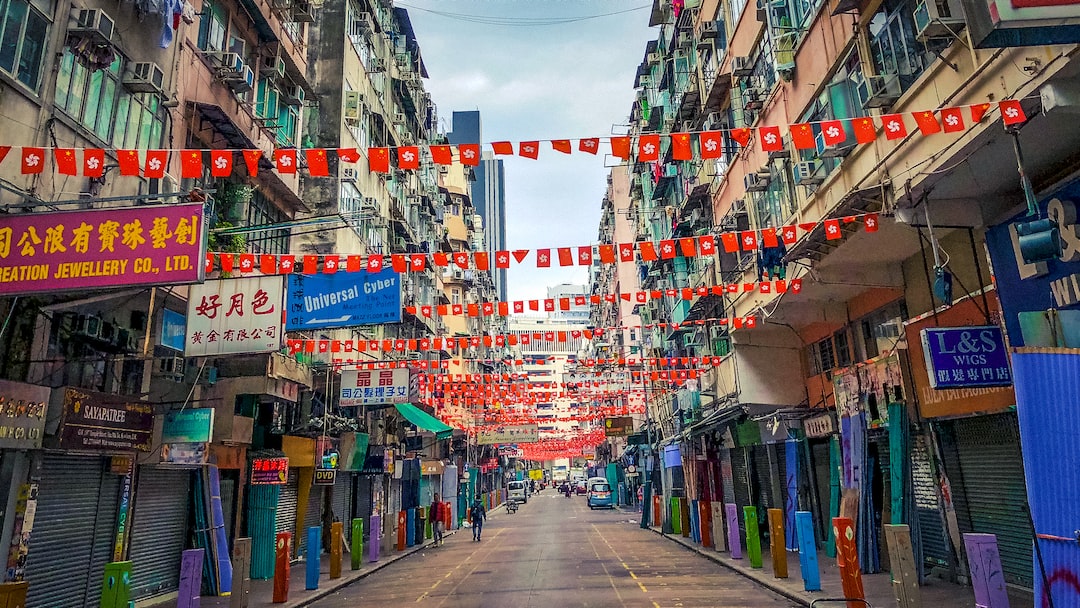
(508, 450)
(22, 415)
(96, 421)
(619, 427)
(188, 426)
(185, 453)
(536, 474)
(520, 433)
(432, 467)
(869, 388)
(95, 249)
(173, 330)
(325, 477)
(821, 425)
(231, 316)
(962, 357)
(269, 471)
(374, 387)
(122, 520)
(343, 300)
(1027, 291)
(388, 461)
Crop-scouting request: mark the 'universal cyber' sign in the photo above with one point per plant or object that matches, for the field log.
(343, 300)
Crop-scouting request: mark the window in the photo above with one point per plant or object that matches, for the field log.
(23, 35)
(882, 329)
(212, 27)
(843, 348)
(821, 357)
(261, 211)
(893, 46)
(773, 206)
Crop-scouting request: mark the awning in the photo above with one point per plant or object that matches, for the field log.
(424, 420)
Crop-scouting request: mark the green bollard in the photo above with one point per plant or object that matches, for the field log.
(753, 538)
(116, 585)
(676, 516)
(356, 549)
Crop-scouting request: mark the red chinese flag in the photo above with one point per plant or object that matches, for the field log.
(648, 147)
(408, 157)
(607, 254)
(440, 259)
(1012, 113)
(680, 147)
(802, 135)
(894, 126)
(952, 119)
(590, 145)
(226, 262)
(157, 161)
(330, 264)
(620, 146)
(561, 145)
(730, 241)
(354, 263)
(832, 229)
(927, 122)
(311, 264)
(417, 262)
(870, 221)
(686, 245)
(768, 238)
(399, 262)
(4, 152)
(65, 161)
(832, 132)
(504, 309)
(770, 139)
(268, 264)
(461, 259)
(543, 258)
(128, 161)
(191, 164)
(520, 255)
(93, 162)
(707, 244)
(626, 252)
(564, 303)
(711, 144)
(480, 258)
(502, 147)
(742, 136)
(529, 149)
(647, 251)
(566, 256)
(251, 159)
(379, 160)
(221, 162)
(749, 240)
(317, 163)
(348, 155)
(865, 131)
(502, 259)
(667, 249)
(285, 160)
(469, 154)
(978, 111)
(375, 263)
(442, 155)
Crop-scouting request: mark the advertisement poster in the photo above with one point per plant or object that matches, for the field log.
(375, 387)
(231, 316)
(96, 421)
(173, 328)
(343, 300)
(95, 249)
(269, 471)
(521, 433)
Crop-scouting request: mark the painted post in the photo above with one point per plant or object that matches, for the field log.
(375, 536)
(676, 514)
(356, 548)
(777, 550)
(753, 538)
(116, 585)
(705, 522)
(657, 512)
(984, 562)
(905, 576)
(834, 493)
(312, 550)
(447, 517)
(684, 517)
(808, 564)
(282, 551)
(402, 527)
(410, 527)
(791, 471)
(734, 544)
(429, 524)
(337, 531)
(241, 591)
(695, 521)
(188, 595)
(716, 516)
(847, 558)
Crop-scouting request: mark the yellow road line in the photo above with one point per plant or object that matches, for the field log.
(642, 585)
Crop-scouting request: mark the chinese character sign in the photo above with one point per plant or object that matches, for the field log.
(230, 316)
(151, 245)
(269, 471)
(374, 387)
(959, 357)
(343, 300)
(521, 433)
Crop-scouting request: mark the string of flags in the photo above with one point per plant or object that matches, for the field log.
(153, 163)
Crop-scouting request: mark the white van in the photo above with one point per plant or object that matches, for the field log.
(516, 491)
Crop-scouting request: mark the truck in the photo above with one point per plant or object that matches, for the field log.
(560, 470)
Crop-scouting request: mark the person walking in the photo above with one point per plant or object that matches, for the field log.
(478, 514)
(437, 515)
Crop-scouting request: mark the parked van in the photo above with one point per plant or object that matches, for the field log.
(516, 491)
(599, 494)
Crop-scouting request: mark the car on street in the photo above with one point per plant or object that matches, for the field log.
(581, 488)
(516, 490)
(600, 495)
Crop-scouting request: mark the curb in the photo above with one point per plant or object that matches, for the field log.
(744, 572)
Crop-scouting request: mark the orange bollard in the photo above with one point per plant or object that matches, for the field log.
(402, 528)
(705, 522)
(282, 552)
(657, 511)
(847, 557)
(447, 516)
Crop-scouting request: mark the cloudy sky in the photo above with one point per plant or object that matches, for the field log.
(534, 81)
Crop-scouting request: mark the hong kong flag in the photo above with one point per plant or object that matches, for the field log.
(789, 235)
(408, 157)
(375, 263)
(832, 229)
(707, 244)
(93, 162)
(286, 264)
(626, 252)
(469, 154)
(247, 262)
(589, 145)
(529, 149)
(770, 139)
(543, 258)
(649, 147)
(952, 119)
(832, 132)
(461, 259)
(502, 259)
(871, 222)
(711, 144)
(749, 240)
(894, 127)
(221, 162)
(417, 262)
(156, 163)
(285, 160)
(1011, 112)
(584, 256)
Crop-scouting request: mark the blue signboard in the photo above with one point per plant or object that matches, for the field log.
(173, 329)
(1026, 290)
(343, 300)
(965, 357)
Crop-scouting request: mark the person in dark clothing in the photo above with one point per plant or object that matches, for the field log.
(478, 514)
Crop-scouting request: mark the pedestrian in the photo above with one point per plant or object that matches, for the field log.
(478, 514)
(437, 515)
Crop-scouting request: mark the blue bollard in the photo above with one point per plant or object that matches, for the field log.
(311, 554)
(808, 564)
(410, 527)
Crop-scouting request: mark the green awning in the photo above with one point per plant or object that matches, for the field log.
(424, 420)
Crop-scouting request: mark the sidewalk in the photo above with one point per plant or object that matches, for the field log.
(878, 587)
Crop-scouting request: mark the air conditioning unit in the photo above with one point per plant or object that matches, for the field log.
(663, 284)
(755, 182)
(755, 98)
(362, 22)
(686, 39)
(229, 65)
(882, 91)
(210, 376)
(741, 67)
(353, 101)
(399, 117)
(783, 153)
(807, 173)
(400, 243)
(273, 65)
(171, 366)
(126, 341)
(712, 121)
(938, 19)
(89, 326)
(145, 77)
(244, 83)
(652, 58)
(95, 24)
(645, 80)
(303, 12)
(459, 274)
(349, 174)
(710, 29)
(369, 203)
(292, 96)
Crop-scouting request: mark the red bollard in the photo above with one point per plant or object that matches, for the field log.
(447, 516)
(282, 552)
(657, 512)
(402, 528)
(705, 523)
(847, 558)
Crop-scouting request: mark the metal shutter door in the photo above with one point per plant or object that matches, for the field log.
(763, 477)
(741, 479)
(73, 532)
(312, 517)
(228, 506)
(158, 530)
(285, 519)
(987, 470)
(819, 452)
(342, 499)
(935, 547)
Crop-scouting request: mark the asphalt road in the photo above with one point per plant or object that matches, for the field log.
(555, 552)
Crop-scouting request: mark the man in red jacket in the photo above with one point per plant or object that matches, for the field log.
(437, 516)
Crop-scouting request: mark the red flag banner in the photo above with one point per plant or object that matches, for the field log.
(894, 126)
(680, 147)
(408, 157)
(590, 145)
(711, 144)
(529, 149)
(318, 165)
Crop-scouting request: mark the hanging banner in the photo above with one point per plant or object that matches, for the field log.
(343, 300)
(55, 252)
(231, 316)
(378, 387)
(618, 427)
(522, 433)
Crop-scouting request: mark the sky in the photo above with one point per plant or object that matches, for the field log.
(538, 82)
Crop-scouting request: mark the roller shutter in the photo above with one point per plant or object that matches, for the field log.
(158, 530)
(819, 453)
(342, 507)
(285, 520)
(763, 468)
(934, 546)
(741, 479)
(312, 517)
(74, 531)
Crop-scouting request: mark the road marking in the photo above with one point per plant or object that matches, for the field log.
(642, 585)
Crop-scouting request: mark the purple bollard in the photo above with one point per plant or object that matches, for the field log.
(734, 544)
(190, 579)
(374, 538)
(984, 561)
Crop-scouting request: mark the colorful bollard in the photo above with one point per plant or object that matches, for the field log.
(676, 515)
(684, 517)
(705, 524)
(410, 527)
(657, 512)
(753, 537)
(847, 558)
(337, 531)
(241, 558)
(402, 529)
(777, 550)
(189, 591)
(282, 552)
(356, 548)
(116, 585)
(987, 577)
(731, 510)
(374, 537)
(808, 564)
(311, 554)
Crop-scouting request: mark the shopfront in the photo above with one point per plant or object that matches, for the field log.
(23, 409)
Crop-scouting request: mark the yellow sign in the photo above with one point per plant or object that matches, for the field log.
(536, 474)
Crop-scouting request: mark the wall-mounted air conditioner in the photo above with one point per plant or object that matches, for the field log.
(808, 173)
(95, 24)
(145, 77)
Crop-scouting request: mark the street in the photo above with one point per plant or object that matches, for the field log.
(555, 552)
